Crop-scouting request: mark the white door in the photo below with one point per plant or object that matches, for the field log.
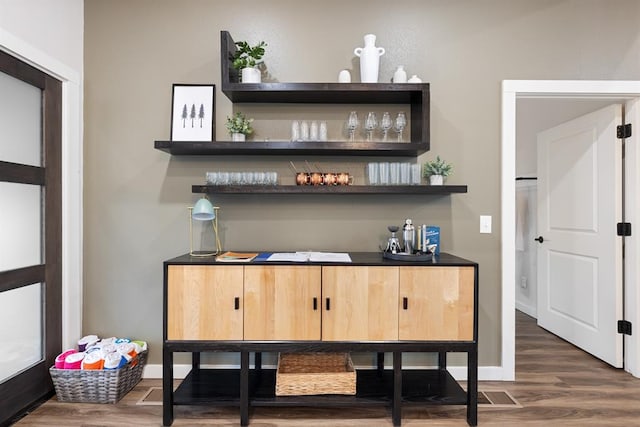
(579, 252)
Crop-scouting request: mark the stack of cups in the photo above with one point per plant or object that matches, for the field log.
(393, 173)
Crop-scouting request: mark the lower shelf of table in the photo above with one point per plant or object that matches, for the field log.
(221, 387)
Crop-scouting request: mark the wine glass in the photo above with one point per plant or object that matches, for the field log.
(370, 124)
(400, 124)
(385, 125)
(352, 125)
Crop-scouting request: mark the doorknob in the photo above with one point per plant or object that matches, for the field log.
(539, 239)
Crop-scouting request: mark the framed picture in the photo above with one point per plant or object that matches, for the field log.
(192, 112)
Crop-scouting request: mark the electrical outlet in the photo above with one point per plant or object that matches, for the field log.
(485, 223)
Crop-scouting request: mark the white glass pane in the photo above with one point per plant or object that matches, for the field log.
(20, 121)
(20, 226)
(20, 329)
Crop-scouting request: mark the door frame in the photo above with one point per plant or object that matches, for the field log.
(511, 91)
(72, 170)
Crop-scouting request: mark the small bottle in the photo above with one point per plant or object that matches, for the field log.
(400, 76)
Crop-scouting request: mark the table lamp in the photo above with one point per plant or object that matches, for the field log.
(204, 212)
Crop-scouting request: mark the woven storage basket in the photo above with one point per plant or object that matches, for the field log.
(104, 386)
(315, 373)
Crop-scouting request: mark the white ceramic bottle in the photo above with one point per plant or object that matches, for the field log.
(400, 76)
(369, 59)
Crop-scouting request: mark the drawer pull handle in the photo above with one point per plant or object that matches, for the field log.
(405, 303)
(236, 303)
(315, 303)
(328, 304)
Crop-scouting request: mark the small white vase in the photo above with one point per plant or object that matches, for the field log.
(369, 59)
(436, 180)
(400, 76)
(414, 79)
(251, 75)
(238, 137)
(344, 76)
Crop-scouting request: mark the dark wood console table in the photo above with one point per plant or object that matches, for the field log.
(404, 307)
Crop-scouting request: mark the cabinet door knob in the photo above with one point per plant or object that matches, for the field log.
(328, 304)
(315, 303)
(236, 303)
(405, 303)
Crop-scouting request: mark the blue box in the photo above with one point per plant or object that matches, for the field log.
(432, 237)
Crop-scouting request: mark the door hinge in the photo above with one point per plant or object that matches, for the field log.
(623, 131)
(624, 229)
(624, 327)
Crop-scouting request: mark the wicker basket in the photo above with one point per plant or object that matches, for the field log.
(98, 386)
(315, 373)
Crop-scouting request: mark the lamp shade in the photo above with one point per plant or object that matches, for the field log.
(203, 210)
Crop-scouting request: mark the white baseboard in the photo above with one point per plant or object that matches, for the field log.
(527, 309)
(180, 371)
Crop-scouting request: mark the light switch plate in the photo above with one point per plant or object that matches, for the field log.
(485, 223)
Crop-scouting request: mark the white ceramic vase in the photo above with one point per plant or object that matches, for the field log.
(238, 137)
(251, 75)
(369, 59)
(436, 180)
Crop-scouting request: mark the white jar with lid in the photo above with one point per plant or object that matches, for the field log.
(400, 76)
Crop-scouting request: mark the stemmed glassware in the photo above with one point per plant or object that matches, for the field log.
(400, 124)
(370, 124)
(385, 125)
(352, 125)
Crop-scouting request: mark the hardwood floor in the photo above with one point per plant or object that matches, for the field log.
(556, 383)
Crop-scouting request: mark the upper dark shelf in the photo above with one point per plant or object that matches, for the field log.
(331, 93)
(416, 96)
(272, 148)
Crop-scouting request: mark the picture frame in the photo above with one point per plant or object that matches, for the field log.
(193, 112)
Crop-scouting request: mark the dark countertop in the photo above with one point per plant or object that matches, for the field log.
(357, 258)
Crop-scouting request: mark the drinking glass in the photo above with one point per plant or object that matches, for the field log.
(405, 174)
(394, 173)
(383, 170)
(352, 125)
(370, 123)
(385, 125)
(372, 173)
(400, 124)
(415, 174)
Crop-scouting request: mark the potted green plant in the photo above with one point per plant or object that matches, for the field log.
(239, 127)
(436, 170)
(246, 58)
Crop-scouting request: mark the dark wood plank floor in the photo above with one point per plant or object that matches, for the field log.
(556, 384)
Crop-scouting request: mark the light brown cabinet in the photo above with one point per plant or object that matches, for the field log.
(282, 302)
(360, 303)
(204, 302)
(436, 303)
(328, 303)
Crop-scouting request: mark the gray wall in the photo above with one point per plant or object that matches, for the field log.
(136, 197)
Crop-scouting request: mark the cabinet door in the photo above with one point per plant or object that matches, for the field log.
(204, 302)
(359, 303)
(436, 303)
(282, 302)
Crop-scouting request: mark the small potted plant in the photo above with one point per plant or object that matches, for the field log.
(246, 58)
(436, 170)
(239, 127)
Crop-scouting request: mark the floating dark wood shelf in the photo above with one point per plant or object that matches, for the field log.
(337, 189)
(279, 148)
(415, 95)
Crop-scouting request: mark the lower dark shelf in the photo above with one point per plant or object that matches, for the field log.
(221, 387)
